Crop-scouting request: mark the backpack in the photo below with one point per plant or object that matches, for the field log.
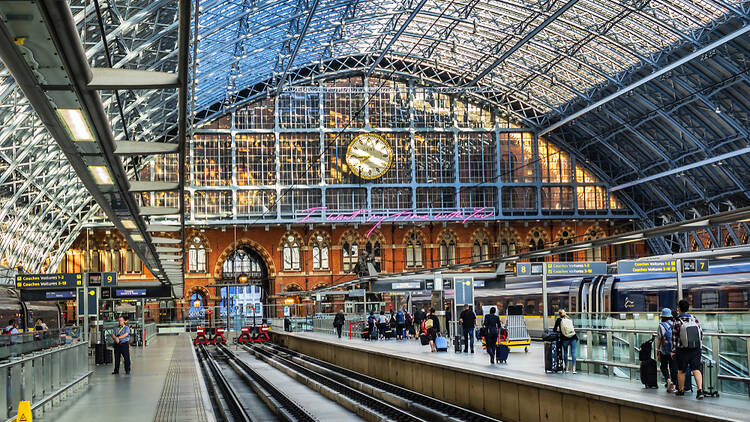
(392, 323)
(428, 324)
(371, 319)
(400, 317)
(566, 327)
(409, 319)
(7, 330)
(690, 333)
(666, 338)
(492, 328)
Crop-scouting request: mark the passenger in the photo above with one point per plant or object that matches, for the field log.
(419, 317)
(568, 338)
(448, 320)
(492, 325)
(432, 327)
(409, 324)
(468, 321)
(338, 322)
(121, 336)
(371, 324)
(11, 329)
(39, 325)
(382, 323)
(686, 348)
(664, 350)
(400, 324)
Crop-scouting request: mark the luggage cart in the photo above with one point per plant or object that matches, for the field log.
(518, 335)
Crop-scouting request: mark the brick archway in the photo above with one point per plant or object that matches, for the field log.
(270, 265)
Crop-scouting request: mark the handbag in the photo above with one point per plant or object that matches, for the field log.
(483, 332)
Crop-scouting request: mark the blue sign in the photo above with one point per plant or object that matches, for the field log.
(637, 267)
(49, 281)
(529, 268)
(92, 296)
(577, 268)
(130, 292)
(60, 294)
(478, 283)
(464, 290)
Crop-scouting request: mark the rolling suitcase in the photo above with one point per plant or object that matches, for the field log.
(441, 344)
(502, 353)
(553, 356)
(99, 354)
(457, 344)
(649, 374)
(710, 378)
(424, 339)
(108, 359)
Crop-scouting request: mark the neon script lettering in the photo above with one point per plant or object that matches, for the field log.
(319, 215)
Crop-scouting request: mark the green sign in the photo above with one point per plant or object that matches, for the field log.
(49, 281)
(638, 267)
(576, 268)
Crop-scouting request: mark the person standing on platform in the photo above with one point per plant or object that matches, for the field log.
(338, 322)
(409, 328)
(468, 321)
(448, 319)
(121, 336)
(432, 327)
(492, 325)
(371, 324)
(687, 336)
(382, 323)
(419, 317)
(664, 350)
(400, 324)
(11, 328)
(568, 338)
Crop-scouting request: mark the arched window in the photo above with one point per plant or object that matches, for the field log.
(197, 256)
(536, 242)
(566, 238)
(244, 262)
(447, 250)
(595, 254)
(372, 247)
(320, 253)
(480, 250)
(349, 253)
(413, 250)
(290, 253)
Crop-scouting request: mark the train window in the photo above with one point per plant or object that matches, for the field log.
(737, 299)
(709, 299)
(530, 308)
(651, 302)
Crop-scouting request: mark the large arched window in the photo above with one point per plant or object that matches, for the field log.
(349, 252)
(197, 256)
(536, 242)
(290, 253)
(566, 237)
(244, 262)
(319, 253)
(508, 243)
(447, 249)
(595, 254)
(372, 247)
(413, 250)
(480, 249)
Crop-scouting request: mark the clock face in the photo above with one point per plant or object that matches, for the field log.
(369, 156)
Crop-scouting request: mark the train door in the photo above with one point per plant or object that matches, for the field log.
(594, 294)
(585, 306)
(574, 295)
(606, 294)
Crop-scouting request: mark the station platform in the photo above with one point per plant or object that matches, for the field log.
(164, 385)
(517, 391)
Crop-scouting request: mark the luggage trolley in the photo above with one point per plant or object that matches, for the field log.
(518, 335)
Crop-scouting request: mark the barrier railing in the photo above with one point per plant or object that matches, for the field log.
(41, 376)
(16, 345)
(614, 352)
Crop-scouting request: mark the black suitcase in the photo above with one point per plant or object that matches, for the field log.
(649, 374)
(708, 370)
(108, 359)
(99, 354)
(424, 339)
(553, 361)
(457, 344)
(502, 353)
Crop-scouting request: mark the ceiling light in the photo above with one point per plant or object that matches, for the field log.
(101, 175)
(128, 224)
(728, 256)
(76, 124)
(137, 237)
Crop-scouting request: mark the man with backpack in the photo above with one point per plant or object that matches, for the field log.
(338, 322)
(11, 329)
(686, 348)
(664, 350)
(468, 320)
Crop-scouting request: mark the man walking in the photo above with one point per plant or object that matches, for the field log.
(121, 336)
(468, 320)
(338, 322)
(687, 335)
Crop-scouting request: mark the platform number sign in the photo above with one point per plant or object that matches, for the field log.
(695, 265)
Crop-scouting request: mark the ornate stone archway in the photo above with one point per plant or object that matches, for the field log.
(249, 243)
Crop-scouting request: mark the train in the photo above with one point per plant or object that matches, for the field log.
(725, 287)
(26, 313)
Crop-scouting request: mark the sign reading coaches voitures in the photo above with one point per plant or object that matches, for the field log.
(49, 281)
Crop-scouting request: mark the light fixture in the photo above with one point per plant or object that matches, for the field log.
(137, 237)
(128, 224)
(580, 247)
(76, 124)
(728, 256)
(101, 175)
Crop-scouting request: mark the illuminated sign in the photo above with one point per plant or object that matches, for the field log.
(60, 294)
(413, 285)
(529, 268)
(49, 281)
(636, 267)
(695, 265)
(321, 215)
(576, 268)
(130, 292)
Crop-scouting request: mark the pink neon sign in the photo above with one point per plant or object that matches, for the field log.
(318, 215)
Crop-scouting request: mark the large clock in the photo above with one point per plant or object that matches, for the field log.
(369, 156)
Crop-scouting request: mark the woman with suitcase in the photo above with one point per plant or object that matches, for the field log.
(568, 338)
